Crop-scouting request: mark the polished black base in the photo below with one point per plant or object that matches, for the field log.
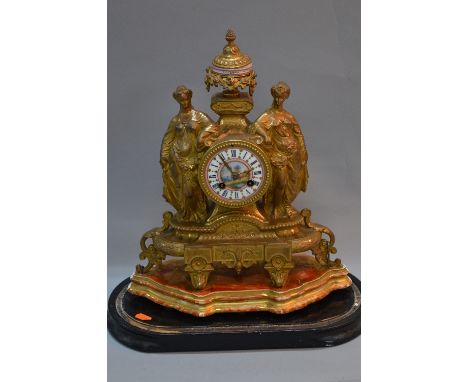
(332, 321)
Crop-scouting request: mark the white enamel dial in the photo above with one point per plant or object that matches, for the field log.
(235, 174)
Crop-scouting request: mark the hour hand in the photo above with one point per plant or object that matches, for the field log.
(236, 181)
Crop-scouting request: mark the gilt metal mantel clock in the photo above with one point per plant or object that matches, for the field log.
(234, 242)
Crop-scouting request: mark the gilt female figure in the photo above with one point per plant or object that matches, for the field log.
(179, 159)
(284, 142)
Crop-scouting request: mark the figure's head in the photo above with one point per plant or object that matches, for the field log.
(280, 93)
(183, 95)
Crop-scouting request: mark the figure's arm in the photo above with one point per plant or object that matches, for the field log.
(261, 129)
(209, 132)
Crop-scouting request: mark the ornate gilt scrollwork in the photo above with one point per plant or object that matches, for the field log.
(278, 267)
(238, 257)
(325, 247)
(278, 263)
(231, 82)
(154, 258)
(199, 270)
(150, 252)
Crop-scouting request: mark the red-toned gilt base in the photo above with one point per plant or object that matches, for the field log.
(250, 291)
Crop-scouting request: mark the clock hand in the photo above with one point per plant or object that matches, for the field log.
(227, 165)
(236, 181)
(244, 172)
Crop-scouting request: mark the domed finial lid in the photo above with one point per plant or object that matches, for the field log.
(231, 69)
(231, 57)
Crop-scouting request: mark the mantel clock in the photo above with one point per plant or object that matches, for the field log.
(233, 241)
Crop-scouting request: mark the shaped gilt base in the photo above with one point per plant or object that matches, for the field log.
(252, 290)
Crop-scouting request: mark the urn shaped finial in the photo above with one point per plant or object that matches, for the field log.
(232, 69)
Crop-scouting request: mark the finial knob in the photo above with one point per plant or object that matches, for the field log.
(230, 35)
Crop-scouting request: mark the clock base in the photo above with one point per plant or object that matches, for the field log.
(138, 323)
(237, 240)
(252, 290)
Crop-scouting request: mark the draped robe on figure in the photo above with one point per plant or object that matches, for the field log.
(285, 146)
(180, 177)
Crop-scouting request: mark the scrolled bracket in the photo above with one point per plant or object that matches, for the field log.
(154, 258)
(325, 247)
(149, 252)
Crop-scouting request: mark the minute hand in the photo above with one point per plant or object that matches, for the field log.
(227, 165)
(244, 172)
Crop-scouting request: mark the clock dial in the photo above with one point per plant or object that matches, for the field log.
(235, 174)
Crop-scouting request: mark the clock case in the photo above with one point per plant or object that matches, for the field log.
(235, 258)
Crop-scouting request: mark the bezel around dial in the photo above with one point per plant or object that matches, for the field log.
(203, 171)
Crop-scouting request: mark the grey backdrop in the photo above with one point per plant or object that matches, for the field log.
(153, 46)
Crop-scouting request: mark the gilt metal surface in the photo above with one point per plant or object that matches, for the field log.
(232, 184)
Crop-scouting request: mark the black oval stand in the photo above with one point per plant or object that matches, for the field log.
(332, 321)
